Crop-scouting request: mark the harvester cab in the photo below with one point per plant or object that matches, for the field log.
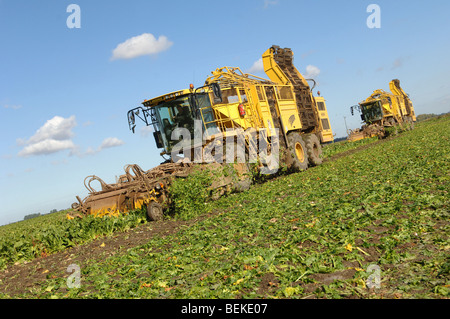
(177, 110)
(371, 111)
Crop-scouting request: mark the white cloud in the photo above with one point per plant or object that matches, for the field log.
(54, 136)
(107, 143)
(268, 3)
(110, 142)
(398, 63)
(13, 107)
(90, 151)
(144, 44)
(311, 72)
(58, 128)
(145, 131)
(257, 67)
(88, 123)
(47, 146)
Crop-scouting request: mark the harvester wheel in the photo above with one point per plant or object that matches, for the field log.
(314, 149)
(297, 157)
(154, 211)
(243, 177)
(410, 123)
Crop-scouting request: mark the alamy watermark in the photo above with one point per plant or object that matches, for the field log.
(74, 19)
(374, 279)
(374, 19)
(74, 280)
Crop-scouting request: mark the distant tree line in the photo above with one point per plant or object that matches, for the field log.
(29, 216)
(338, 139)
(423, 117)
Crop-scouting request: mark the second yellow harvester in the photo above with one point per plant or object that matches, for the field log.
(383, 110)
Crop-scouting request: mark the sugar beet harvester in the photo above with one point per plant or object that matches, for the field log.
(237, 114)
(383, 110)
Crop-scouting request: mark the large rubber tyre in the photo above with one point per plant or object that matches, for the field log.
(297, 156)
(242, 185)
(410, 123)
(314, 149)
(243, 179)
(154, 211)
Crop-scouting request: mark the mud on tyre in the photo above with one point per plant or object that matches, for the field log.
(297, 155)
(154, 211)
(314, 149)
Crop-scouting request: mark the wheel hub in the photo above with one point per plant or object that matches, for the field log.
(299, 152)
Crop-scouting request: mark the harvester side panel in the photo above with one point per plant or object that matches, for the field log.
(262, 106)
(326, 134)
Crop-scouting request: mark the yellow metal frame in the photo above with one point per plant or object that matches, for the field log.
(116, 209)
(276, 74)
(402, 97)
(166, 97)
(325, 134)
(258, 113)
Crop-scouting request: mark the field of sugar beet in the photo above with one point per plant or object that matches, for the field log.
(371, 222)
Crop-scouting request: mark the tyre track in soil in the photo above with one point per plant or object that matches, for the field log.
(21, 278)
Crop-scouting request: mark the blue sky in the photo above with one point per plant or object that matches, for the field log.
(65, 92)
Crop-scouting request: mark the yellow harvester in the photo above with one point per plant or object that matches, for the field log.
(383, 110)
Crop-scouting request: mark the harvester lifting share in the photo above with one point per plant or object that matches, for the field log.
(133, 190)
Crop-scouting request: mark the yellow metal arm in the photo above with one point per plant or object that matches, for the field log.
(272, 69)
